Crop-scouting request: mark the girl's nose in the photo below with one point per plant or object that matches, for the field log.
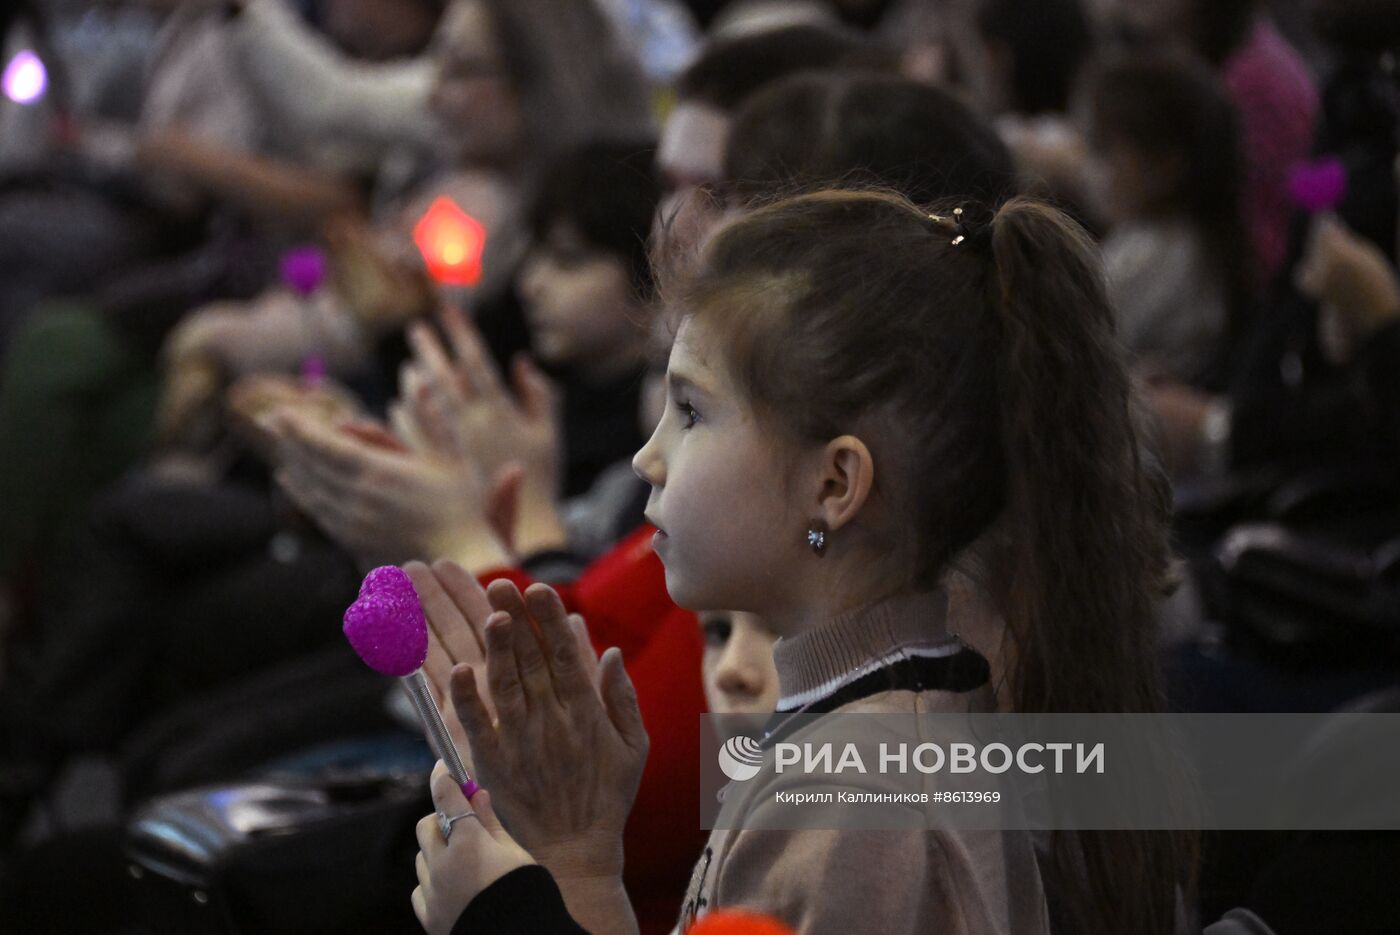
(648, 463)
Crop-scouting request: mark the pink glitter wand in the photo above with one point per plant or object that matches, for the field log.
(387, 629)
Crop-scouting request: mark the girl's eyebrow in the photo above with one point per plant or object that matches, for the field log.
(679, 381)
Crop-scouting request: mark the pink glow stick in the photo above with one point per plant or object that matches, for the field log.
(1318, 186)
(304, 269)
(387, 629)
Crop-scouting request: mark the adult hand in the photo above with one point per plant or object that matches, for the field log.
(456, 608)
(1352, 278)
(574, 815)
(465, 408)
(566, 746)
(384, 288)
(1180, 415)
(384, 506)
(459, 408)
(186, 408)
(453, 870)
(252, 398)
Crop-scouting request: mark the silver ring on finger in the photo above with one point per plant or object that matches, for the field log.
(445, 823)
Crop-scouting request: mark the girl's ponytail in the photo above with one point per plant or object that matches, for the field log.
(1083, 547)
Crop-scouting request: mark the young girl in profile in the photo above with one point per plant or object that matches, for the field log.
(861, 394)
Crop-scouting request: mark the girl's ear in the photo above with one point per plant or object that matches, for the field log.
(847, 476)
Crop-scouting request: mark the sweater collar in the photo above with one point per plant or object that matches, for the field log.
(821, 660)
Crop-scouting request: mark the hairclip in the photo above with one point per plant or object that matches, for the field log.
(958, 226)
(959, 231)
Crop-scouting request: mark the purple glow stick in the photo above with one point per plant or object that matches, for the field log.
(1318, 186)
(304, 269)
(386, 628)
(313, 370)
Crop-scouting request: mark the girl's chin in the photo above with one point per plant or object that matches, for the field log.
(686, 595)
(685, 590)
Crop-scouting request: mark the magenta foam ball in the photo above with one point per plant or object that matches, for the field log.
(385, 625)
(1318, 186)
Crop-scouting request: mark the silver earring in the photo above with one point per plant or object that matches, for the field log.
(816, 536)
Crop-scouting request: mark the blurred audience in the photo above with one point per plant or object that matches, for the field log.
(293, 288)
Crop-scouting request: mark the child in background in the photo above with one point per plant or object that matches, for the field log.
(829, 452)
(1267, 82)
(586, 290)
(1166, 175)
(738, 665)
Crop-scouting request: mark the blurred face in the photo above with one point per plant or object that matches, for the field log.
(691, 149)
(472, 96)
(738, 665)
(729, 527)
(578, 300)
(689, 157)
(986, 68)
(1124, 183)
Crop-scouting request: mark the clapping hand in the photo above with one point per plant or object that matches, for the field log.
(1353, 279)
(382, 505)
(554, 733)
(457, 407)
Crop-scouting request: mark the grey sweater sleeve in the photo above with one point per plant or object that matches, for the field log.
(307, 83)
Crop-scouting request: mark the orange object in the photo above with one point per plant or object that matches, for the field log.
(738, 922)
(451, 241)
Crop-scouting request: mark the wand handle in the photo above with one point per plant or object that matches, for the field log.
(416, 686)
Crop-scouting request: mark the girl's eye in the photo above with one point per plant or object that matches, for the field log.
(688, 414)
(716, 633)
